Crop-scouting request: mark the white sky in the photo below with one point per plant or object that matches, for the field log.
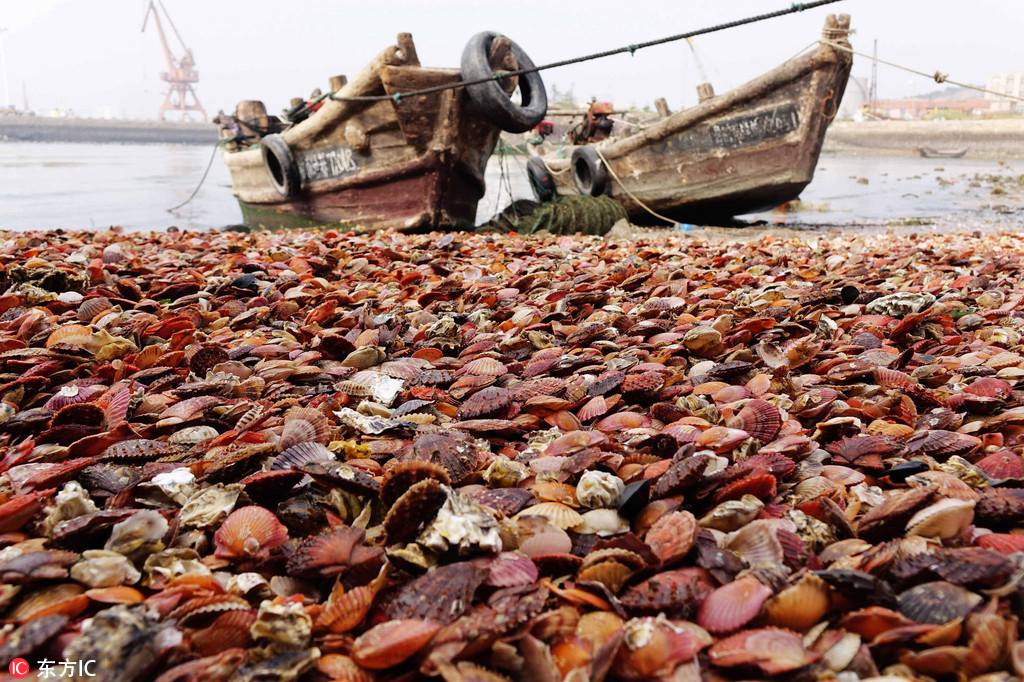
(89, 55)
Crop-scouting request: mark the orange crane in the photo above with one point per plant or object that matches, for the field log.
(181, 74)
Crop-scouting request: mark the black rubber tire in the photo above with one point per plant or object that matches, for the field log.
(588, 172)
(280, 164)
(489, 100)
(541, 181)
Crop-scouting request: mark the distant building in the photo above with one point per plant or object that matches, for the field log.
(1008, 84)
(914, 108)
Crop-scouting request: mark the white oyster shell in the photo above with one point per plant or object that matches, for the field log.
(462, 525)
(599, 490)
(103, 568)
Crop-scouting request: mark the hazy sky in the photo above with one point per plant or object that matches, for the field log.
(89, 55)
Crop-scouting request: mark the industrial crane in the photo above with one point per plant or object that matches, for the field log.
(181, 73)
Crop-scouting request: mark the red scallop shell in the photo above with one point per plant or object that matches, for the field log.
(622, 421)
(72, 394)
(677, 591)
(531, 388)
(249, 532)
(542, 361)
(510, 569)
(773, 650)
(593, 408)
(672, 536)
(760, 419)
(230, 630)
(942, 444)
(1002, 465)
(486, 401)
(304, 425)
(484, 367)
(733, 605)
(327, 554)
(643, 382)
(760, 484)
(388, 644)
(990, 387)
(1007, 543)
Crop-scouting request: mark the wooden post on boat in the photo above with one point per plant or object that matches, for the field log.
(662, 106)
(336, 83)
(408, 49)
(705, 91)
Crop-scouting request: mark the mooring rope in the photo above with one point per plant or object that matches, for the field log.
(631, 49)
(938, 76)
(209, 165)
(625, 189)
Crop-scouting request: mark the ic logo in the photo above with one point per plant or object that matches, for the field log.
(19, 668)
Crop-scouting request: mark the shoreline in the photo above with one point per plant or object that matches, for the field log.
(92, 131)
(997, 139)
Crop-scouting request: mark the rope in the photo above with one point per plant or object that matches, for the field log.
(937, 76)
(209, 165)
(631, 49)
(628, 193)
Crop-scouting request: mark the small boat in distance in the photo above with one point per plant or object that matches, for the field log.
(747, 150)
(930, 153)
(368, 157)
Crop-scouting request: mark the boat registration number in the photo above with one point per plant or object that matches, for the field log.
(324, 164)
(741, 131)
(738, 131)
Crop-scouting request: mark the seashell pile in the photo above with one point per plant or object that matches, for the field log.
(324, 456)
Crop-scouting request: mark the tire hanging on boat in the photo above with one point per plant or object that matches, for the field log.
(589, 172)
(489, 99)
(280, 164)
(541, 181)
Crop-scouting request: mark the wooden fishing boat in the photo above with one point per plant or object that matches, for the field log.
(930, 153)
(369, 159)
(747, 150)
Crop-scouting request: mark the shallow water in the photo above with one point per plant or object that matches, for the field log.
(95, 186)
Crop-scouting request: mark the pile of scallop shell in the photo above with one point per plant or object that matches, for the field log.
(319, 456)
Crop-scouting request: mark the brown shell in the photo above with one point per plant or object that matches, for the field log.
(486, 401)
(937, 602)
(942, 444)
(412, 510)
(890, 516)
(400, 477)
(677, 592)
(611, 574)
(205, 358)
(442, 594)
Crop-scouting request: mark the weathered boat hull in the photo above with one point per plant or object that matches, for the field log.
(408, 163)
(747, 150)
(431, 191)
